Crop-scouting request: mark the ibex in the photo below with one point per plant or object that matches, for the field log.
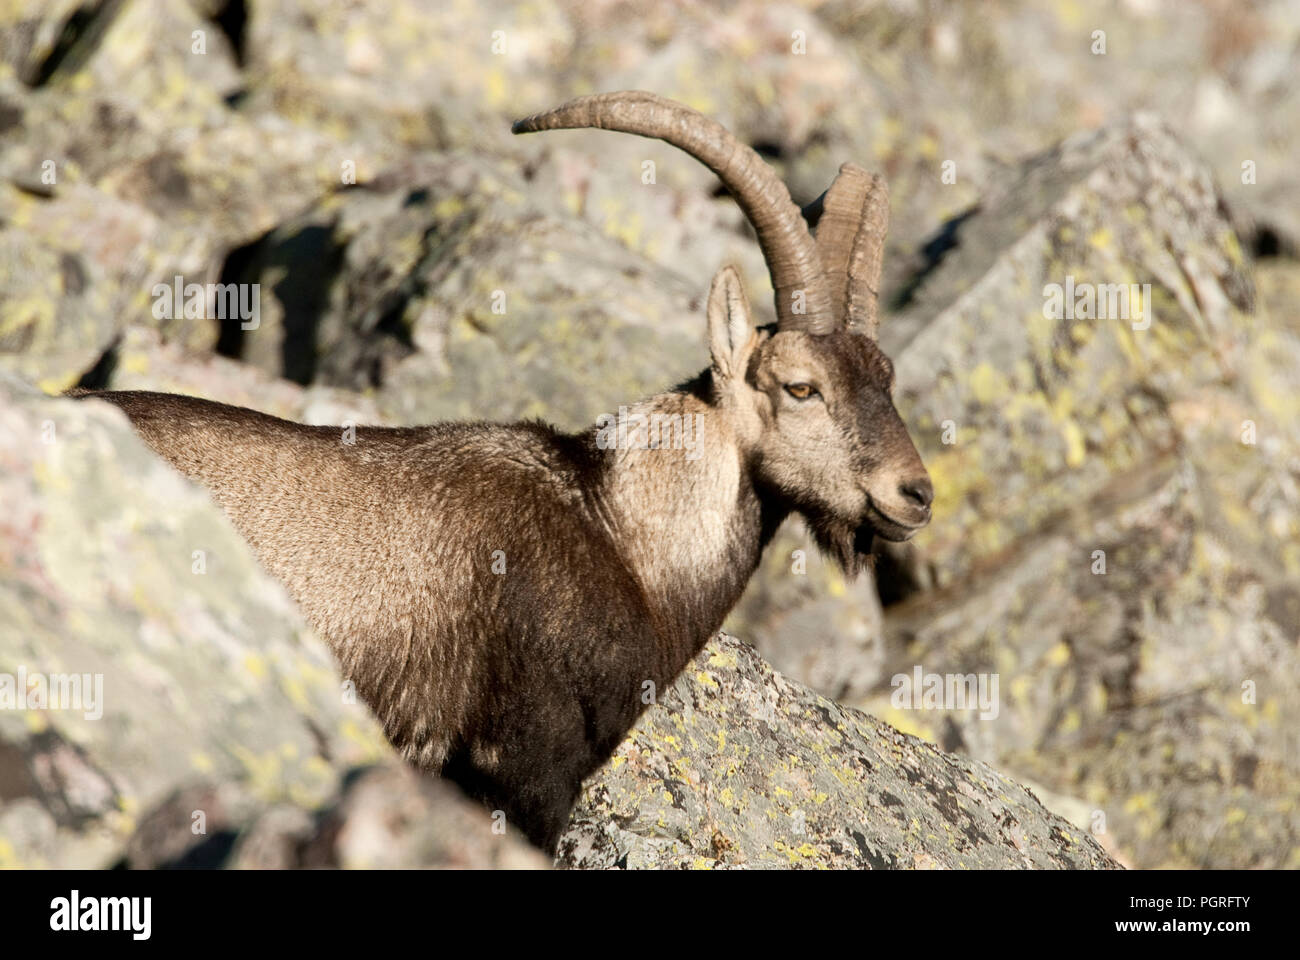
(501, 594)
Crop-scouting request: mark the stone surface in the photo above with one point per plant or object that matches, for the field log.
(1118, 532)
(356, 163)
(206, 693)
(740, 767)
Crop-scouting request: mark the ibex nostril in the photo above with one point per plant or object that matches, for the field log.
(920, 492)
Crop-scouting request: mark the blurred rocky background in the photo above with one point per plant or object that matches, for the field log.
(1117, 523)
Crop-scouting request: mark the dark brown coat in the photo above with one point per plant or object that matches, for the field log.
(508, 598)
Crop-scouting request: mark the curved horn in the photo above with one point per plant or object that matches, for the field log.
(852, 218)
(791, 254)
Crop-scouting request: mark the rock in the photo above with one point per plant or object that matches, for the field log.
(384, 817)
(427, 75)
(30, 33)
(127, 167)
(442, 281)
(1120, 526)
(72, 266)
(393, 817)
(146, 112)
(204, 724)
(739, 767)
(1048, 412)
(357, 164)
(142, 360)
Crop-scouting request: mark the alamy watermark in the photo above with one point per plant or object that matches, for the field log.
(655, 431)
(212, 301)
(1098, 301)
(945, 691)
(75, 913)
(53, 691)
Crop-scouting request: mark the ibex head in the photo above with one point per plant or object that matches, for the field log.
(810, 398)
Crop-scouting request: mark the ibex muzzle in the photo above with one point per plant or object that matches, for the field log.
(831, 441)
(504, 596)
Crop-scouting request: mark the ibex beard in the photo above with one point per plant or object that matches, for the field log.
(503, 595)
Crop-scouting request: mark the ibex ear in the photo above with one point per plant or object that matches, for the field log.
(731, 327)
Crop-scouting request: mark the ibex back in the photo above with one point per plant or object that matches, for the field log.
(501, 594)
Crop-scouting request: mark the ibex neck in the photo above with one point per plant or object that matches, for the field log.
(676, 492)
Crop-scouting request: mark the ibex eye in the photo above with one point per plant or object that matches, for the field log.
(800, 391)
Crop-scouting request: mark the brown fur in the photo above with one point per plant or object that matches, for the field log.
(619, 563)
(621, 559)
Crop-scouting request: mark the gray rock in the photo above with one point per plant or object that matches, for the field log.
(384, 817)
(214, 728)
(1117, 532)
(739, 767)
(445, 279)
(1124, 692)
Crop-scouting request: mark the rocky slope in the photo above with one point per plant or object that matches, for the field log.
(741, 767)
(206, 726)
(355, 162)
(188, 716)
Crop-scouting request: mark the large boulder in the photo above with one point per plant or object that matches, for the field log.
(449, 277)
(740, 767)
(162, 701)
(124, 163)
(1117, 532)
